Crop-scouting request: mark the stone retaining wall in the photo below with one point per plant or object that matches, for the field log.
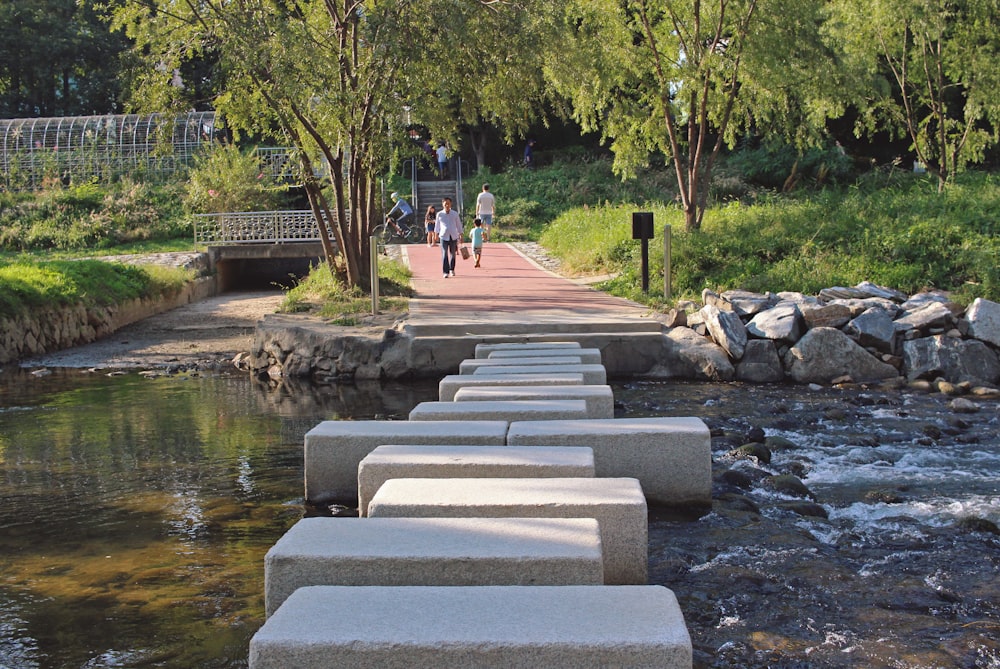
(46, 330)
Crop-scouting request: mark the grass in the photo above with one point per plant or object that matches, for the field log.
(898, 233)
(26, 286)
(319, 294)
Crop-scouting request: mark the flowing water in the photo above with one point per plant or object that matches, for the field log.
(136, 512)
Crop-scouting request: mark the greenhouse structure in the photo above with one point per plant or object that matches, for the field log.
(34, 150)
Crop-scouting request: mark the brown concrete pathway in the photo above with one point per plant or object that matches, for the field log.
(508, 287)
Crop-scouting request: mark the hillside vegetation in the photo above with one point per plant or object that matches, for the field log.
(766, 231)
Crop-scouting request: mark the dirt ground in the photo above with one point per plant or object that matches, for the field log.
(205, 334)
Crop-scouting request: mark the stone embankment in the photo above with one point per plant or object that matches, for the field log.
(55, 329)
(844, 335)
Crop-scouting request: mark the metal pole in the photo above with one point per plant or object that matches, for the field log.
(666, 262)
(373, 255)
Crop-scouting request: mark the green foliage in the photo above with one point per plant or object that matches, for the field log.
(320, 293)
(779, 166)
(26, 285)
(904, 236)
(527, 200)
(87, 216)
(228, 179)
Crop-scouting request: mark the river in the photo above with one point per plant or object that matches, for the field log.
(136, 511)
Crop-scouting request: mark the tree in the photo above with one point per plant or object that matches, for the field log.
(684, 78)
(57, 58)
(930, 73)
(337, 79)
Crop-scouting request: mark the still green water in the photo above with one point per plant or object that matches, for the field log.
(135, 512)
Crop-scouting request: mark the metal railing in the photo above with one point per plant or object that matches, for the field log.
(254, 227)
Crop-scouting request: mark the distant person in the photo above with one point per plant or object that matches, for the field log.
(448, 228)
(442, 156)
(430, 220)
(401, 213)
(529, 154)
(485, 203)
(476, 236)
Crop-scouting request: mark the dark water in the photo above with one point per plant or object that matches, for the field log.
(136, 513)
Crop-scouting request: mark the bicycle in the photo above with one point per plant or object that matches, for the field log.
(393, 233)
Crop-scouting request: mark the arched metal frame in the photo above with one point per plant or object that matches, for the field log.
(87, 146)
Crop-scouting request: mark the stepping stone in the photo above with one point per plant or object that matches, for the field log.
(471, 365)
(444, 462)
(586, 355)
(671, 457)
(484, 350)
(450, 384)
(616, 503)
(335, 448)
(593, 375)
(599, 399)
(432, 551)
(481, 627)
(508, 410)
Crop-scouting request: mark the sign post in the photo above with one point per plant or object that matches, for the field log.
(642, 229)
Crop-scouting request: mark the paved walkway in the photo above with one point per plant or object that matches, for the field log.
(509, 286)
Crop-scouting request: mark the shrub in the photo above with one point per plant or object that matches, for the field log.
(228, 179)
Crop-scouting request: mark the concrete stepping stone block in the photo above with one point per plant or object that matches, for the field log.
(334, 449)
(671, 457)
(471, 365)
(481, 627)
(484, 350)
(508, 410)
(586, 355)
(616, 503)
(600, 400)
(450, 384)
(593, 375)
(416, 462)
(432, 551)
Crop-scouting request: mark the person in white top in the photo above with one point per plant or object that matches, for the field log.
(484, 210)
(448, 228)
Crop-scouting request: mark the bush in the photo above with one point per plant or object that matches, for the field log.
(228, 179)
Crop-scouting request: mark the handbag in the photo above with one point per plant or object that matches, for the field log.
(465, 252)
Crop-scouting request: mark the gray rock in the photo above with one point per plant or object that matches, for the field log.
(727, 330)
(873, 328)
(859, 305)
(983, 317)
(924, 298)
(760, 363)
(862, 291)
(824, 354)
(825, 316)
(955, 360)
(799, 298)
(923, 318)
(710, 297)
(746, 303)
(782, 322)
(686, 354)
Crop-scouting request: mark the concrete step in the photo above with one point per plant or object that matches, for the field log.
(463, 326)
(616, 503)
(453, 462)
(433, 551)
(486, 627)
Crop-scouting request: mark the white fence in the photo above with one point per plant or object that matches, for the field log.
(247, 227)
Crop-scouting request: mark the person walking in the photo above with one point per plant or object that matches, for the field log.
(485, 203)
(476, 237)
(442, 156)
(430, 220)
(529, 154)
(448, 228)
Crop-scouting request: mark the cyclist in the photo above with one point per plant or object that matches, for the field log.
(400, 215)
